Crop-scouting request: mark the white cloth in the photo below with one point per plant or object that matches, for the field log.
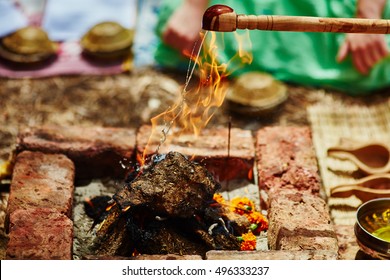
(11, 19)
(145, 40)
(67, 20)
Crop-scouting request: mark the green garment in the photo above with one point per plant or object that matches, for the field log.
(298, 57)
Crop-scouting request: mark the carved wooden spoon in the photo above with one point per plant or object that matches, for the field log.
(371, 158)
(367, 188)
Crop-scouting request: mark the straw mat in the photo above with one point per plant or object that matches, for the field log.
(332, 121)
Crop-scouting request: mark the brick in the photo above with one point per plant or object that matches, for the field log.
(272, 255)
(40, 234)
(300, 221)
(210, 148)
(96, 151)
(42, 181)
(286, 160)
(348, 246)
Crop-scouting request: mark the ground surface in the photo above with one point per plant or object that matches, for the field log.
(126, 100)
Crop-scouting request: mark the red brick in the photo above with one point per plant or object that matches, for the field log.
(96, 151)
(286, 160)
(272, 255)
(300, 221)
(210, 149)
(40, 234)
(42, 181)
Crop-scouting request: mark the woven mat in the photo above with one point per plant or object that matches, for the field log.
(333, 120)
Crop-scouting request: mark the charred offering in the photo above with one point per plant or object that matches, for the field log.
(166, 208)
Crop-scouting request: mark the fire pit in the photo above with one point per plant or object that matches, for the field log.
(164, 209)
(172, 204)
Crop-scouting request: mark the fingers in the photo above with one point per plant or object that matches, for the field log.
(343, 52)
(362, 61)
(366, 50)
(349, 46)
(183, 27)
(182, 38)
(180, 42)
(370, 54)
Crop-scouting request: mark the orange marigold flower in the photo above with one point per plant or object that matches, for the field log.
(258, 219)
(249, 242)
(242, 205)
(219, 198)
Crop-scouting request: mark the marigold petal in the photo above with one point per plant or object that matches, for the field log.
(219, 198)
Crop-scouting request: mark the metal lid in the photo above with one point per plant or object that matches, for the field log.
(256, 93)
(26, 45)
(107, 37)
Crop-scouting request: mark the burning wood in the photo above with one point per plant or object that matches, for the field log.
(165, 208)
(172, 186)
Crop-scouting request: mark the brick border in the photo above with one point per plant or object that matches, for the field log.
(288, 180)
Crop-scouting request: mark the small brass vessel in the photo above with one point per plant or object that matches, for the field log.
(372, 228)
(28, 45)
(107, 40)
(256, 94)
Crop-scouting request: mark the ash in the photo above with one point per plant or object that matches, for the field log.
(84, 234)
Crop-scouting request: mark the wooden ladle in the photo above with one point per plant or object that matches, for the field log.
(222, 18)
(371, 158)
(367, 188)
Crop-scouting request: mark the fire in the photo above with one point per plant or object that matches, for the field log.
(140, 159)
(197, 106)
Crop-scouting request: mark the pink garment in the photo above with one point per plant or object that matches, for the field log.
(68, 62)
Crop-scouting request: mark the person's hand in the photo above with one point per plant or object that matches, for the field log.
(182, 30)
(366, 50)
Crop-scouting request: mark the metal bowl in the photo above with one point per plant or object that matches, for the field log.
(372, 228)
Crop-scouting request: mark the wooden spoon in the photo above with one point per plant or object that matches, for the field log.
(371, 158)
(367, 188)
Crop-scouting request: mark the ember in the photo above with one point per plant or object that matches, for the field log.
(95, 208)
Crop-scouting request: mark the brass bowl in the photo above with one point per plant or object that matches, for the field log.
(107, 39)
(30, 44)
(372, 228)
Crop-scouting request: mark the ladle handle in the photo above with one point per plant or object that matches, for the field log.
(313, 24)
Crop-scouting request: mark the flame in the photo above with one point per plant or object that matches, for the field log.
(135, 253)
(196, 107)
(140, 159)
(89, 202)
